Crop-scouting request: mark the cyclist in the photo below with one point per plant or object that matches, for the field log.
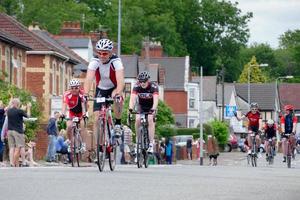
(254, 125)
(270, 133)
(288, 126)
(146, 92)
(74, 102)
(108, 71)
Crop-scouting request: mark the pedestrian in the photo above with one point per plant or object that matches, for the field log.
(169, 151)
(52, 131)
(189, 145)
(2, 117)
(212, 149)
(16, 137)
(62, 145)
(127, 144)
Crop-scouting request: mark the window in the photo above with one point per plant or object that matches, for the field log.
(7, 64)
(19, 70)
(54, 78)
(192, 103)
(61, 78)
(192, 93)
(191, 123)
(192, 98)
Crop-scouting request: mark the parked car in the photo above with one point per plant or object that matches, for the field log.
(180, 140)
(232, 143)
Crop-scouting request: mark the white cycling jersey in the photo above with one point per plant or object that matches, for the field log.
(106, 73)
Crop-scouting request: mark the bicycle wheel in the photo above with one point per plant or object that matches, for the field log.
(77, 148)
(112, 156)
(101, 148)
(289, 161)
(254, 160)
(139, 154)
(146, 158)
(73, 149)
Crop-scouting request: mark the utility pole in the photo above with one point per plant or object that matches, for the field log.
(119, 30)
(201, 115)
(223, 100)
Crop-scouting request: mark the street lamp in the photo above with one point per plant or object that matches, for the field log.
(261, 65)
(277, 104)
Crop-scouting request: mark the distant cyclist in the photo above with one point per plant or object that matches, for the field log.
(254, 125)
(288, 126)
(74, 103)
(270, 129)
(145, 93)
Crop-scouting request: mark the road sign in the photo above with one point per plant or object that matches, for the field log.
(229, 111)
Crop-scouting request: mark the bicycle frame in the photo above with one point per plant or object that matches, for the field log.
(105, 143)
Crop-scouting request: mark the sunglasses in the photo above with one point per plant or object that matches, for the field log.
(74, 88)
(103, 53)
(143, 81)
(254, 109)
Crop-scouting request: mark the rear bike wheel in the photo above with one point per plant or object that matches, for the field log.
(146, 158)
(112, 156)
(254, 160)
(289, 161)
(77, 150)
(139, 154)
(101, 148)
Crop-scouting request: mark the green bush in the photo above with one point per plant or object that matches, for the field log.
(166, 131)
(220, 131)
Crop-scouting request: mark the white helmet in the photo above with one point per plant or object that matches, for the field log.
(74, 83)
(270, 122)
(104, 45)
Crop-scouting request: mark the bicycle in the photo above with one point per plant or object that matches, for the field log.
(105, 140)
(271, 151)
(78, 146)
(253, 155)
(143, 140)
(290, 150)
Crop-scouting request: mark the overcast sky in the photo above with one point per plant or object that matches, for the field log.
(271, 18)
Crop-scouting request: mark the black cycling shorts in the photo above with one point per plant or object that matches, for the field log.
(101, 93)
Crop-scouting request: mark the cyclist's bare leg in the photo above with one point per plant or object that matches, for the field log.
(96, 124)
(267, 146)
(69, 131)
(151, 128)
(284, 146)
(137, 125)
(249, 138)
(118, 107)
(258, 141)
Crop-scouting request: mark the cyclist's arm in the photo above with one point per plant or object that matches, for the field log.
(64, 107)
(133, 97)
(155, 101)
(282, 125)
(120, 82)
(260, 124)
(240, 118)
(90, 76)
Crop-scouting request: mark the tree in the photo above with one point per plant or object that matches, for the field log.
(256, 75)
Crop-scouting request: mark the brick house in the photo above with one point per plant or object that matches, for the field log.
(48, 66)
(13, 59)
(44, 66)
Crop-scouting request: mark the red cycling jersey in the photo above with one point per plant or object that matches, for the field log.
(253, 120)
(74, 103)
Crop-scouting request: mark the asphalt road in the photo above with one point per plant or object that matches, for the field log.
(181, 181)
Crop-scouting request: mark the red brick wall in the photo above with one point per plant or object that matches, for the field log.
(41, 142)
(35, 61)
(35, 83)
(177, 100)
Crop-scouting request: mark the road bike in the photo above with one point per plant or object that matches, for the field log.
(270, 151)
(143, 140)
(105, 139)
(290, 150)
(253, 156)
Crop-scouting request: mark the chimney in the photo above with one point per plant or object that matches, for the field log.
(71, 28)
(155, 50)
(34, 26)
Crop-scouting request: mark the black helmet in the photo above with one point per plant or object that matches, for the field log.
(143, 76)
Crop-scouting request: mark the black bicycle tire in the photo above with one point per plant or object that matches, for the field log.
(139, 149)
(112, 162)
(100, 155)
(146, 158)
(73, 150)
